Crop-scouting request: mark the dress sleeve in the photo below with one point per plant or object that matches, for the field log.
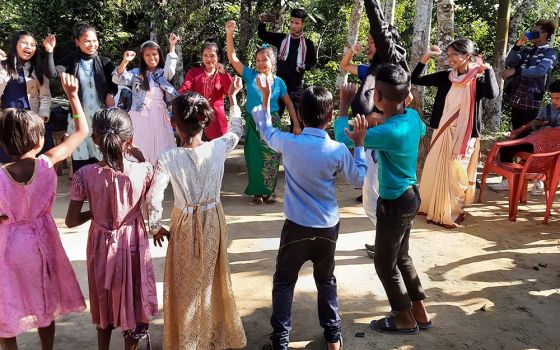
(188, 82)
(155, 197)
(170, 66)
(78, 190)
(231, 138)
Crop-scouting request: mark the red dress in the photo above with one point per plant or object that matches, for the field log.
(213, 88)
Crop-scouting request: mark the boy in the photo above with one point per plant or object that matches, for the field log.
(311, 161)
(397, 141)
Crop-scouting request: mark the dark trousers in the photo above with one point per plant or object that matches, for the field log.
(394, 220)
(295, 96)
(520, 117)
(297, 245)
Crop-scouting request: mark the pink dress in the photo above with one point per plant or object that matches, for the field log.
(122, 286)
(37, 282)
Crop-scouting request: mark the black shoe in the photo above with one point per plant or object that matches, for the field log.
(371, 253)
(359, 199)
(370, 247)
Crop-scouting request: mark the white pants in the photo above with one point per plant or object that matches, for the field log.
(370, 189)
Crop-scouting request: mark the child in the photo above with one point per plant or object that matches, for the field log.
(122, 287)
(37, 282)
(94, 76)
(311, 228)
(263, 164)
(153, 133)
(198, 307)
(397, 141)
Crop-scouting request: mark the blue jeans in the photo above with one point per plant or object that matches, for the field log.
(392, 263)
(297, 245)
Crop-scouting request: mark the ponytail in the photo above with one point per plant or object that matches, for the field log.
(112, 128)
(111, 148)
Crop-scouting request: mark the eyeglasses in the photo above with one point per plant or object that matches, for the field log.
(27, 43)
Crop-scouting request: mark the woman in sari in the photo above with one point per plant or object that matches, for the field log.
(262, 163)
(449, 174)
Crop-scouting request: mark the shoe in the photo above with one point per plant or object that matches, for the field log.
(424, 326)
(389, 325)
(370, 253)
(370, 247)
(538, 188)
(270, 199)
(502, 186)
(359, 199)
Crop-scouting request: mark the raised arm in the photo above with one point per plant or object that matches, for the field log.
(51, 71)
(232, 56)
(379, 30)
(171, 59)
(274, 39)
(65, 149)
(418, 78)
(488, 86)
(346, 61)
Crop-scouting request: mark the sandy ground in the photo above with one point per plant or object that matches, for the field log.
(489, 263)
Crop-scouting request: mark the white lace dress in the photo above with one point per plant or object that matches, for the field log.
(199, 307)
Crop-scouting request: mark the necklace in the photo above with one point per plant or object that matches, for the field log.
(90, 74)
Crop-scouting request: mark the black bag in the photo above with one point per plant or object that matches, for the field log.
(58, 120)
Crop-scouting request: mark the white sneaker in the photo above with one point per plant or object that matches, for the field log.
(538, 188)
(502, 186)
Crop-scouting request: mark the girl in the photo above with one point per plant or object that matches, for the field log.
(211, 81)
(198, 307)
(94, 75)
(22, 84)
(262, 162)
(37, 282)
(122, 288)
(153, 133)
(448, 178)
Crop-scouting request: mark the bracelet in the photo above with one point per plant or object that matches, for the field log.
(75, 116)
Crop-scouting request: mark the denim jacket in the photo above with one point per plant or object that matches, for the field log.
(161, 77)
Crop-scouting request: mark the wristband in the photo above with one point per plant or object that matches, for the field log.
(75, 116)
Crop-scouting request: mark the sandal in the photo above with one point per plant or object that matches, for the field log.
(424, 326)
(389, 325)
(257, 200)
(270, 199)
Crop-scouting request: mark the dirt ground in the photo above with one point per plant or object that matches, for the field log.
(492, 283)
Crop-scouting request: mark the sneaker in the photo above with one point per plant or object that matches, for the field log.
(370, 247)
(538, 188)
(502, 186)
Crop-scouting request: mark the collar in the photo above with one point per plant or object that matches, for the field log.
(314, 132)
(545, 46)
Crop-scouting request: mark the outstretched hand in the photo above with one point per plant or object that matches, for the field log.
(49, 43)
(160, 235)
(235, 86)
(264, 87)
(347, 93)
(358, 134)
(69, 84)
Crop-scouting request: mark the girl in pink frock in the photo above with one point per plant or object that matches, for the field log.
(122, 287)
(37, 282)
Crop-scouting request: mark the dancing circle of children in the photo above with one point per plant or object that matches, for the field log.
(37, 280)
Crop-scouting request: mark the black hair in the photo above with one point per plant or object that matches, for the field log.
(464, 46)
(191, 113)
(13, 63)
(144, 67)
(80, 28)
(212, 46)
(315, 106)
(20, 130)
(547, 25)
(111, 128)
(554, 87)
(299, 13)
(397, 82)
(270, 52)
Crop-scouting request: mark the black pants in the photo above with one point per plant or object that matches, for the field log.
(394, 220)
(520, 117)
(297, 245)
(295, 96)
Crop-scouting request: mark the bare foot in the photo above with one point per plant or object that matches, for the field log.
(419, 312)
(405, 319)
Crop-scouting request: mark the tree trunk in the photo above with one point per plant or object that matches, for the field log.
(389, 11)
(278, 11)
(517, 19)
(553, 37)
(351, 37)
(245, 30)
(493, 108)
(446, 27)
(421, 40)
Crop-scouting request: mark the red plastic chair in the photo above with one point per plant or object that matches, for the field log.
(543, 141)
(554, 180)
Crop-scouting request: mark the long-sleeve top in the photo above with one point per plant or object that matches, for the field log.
(486, 87)
(396, 141)
(161, 77)
(287, 69)
(195, 173)
(38, 95)
(311, 162)
(102, 71)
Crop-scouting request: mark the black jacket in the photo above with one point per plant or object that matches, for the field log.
(486, 87)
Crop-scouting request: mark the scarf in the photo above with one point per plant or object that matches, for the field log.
(285, 49)
(461, 100)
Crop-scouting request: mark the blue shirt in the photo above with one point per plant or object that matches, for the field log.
(254, 97)
(311, 161)
(397, 141)
(362, 71)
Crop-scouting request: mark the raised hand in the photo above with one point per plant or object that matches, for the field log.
(3, 56)
(522, 40)
(359, 133)
(235, 86)
(347, 93)
(482, 66)
(128, 56)
(69, 84)
(356, 48)
(173, 39)
(49, 43)
(433, 51)
(230, 26)
(264, 88)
